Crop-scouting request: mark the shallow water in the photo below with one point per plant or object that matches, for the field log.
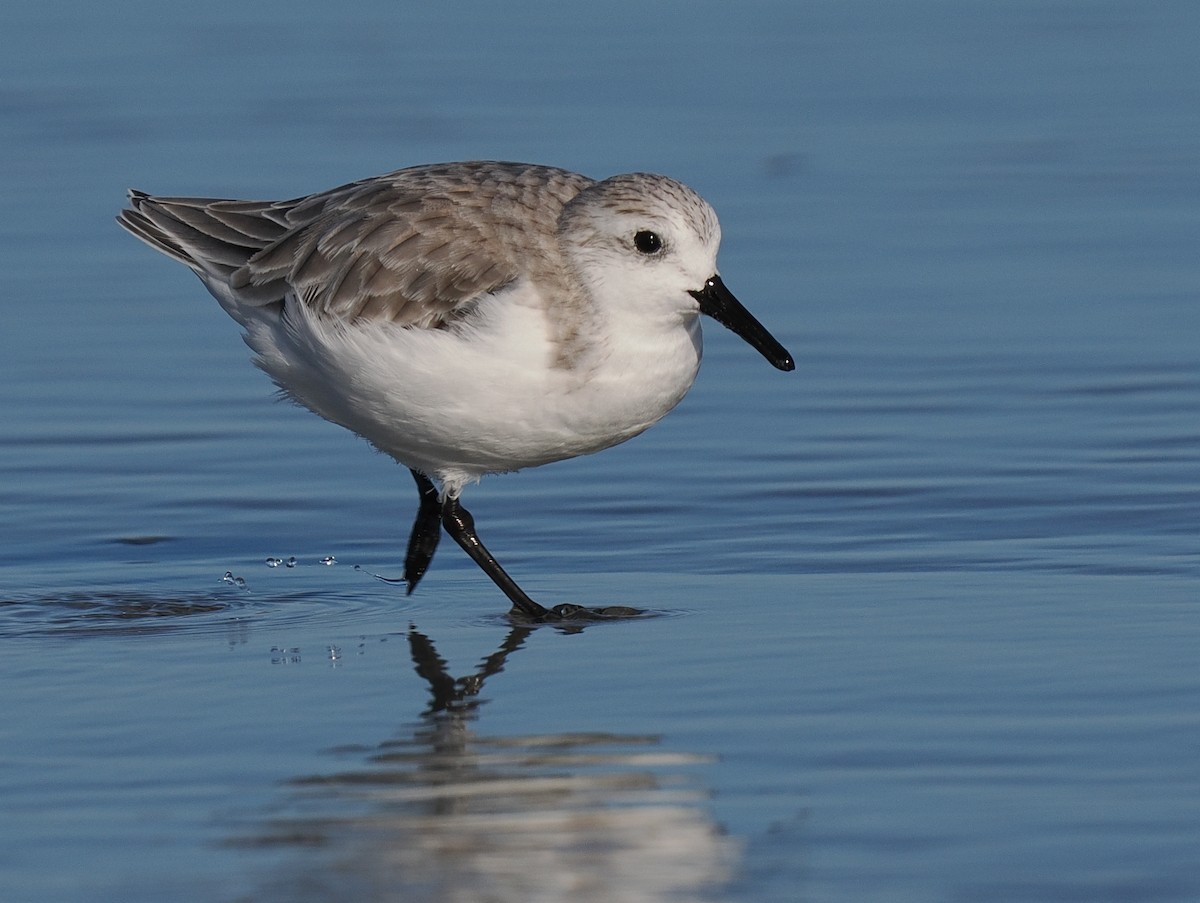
(925, 611)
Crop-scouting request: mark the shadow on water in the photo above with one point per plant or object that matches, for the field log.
(117, 612)
(232, 604)
(443, 812)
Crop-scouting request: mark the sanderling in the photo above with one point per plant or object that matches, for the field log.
(468, 318)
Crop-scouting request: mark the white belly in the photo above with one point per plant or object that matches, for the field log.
(458, 404)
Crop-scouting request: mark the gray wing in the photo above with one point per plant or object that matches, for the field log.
(413, 247)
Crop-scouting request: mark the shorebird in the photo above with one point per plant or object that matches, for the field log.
(468, 318)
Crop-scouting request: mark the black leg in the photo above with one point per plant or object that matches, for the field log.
(459, 524)
(433, 515)
(426, 531)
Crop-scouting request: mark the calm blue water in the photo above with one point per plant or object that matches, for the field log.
(929, 606)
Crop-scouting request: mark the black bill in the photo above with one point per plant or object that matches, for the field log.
(719, 303)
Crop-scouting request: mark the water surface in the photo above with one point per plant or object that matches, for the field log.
(926, 609)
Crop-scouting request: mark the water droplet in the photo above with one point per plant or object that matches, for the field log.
(291, 562)
(391, 580)
(274, 562)
(281, 655)
(335, 653)
(328, 560)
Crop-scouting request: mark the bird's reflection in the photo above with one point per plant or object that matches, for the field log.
(444, 813)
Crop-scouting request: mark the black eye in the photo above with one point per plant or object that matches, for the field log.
(647, 242)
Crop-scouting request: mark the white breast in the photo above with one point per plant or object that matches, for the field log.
(486, 397)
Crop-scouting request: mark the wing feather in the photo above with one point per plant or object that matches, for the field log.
(416, 247)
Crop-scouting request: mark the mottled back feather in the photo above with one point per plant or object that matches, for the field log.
(408, 246)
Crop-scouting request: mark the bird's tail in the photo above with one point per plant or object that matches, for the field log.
(211, 236)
